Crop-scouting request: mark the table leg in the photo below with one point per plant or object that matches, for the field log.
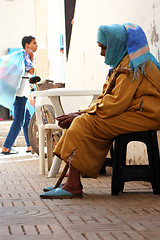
(56, 101)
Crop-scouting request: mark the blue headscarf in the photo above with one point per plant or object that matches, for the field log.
(122, 39)
(114, 37)
(138, 48)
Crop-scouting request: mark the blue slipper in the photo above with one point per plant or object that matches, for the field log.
(46, 189)
(59, 193)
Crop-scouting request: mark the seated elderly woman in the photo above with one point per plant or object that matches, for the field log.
(129, 102)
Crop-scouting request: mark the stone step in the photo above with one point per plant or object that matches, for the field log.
(4, 129)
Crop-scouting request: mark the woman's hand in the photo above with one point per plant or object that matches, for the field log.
(65, 121)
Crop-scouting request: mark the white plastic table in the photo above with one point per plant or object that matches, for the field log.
(53, 96)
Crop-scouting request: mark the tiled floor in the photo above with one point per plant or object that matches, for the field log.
(134, 214)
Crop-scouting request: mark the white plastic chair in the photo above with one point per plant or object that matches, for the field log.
(47, 130)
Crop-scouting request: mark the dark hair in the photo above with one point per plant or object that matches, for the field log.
(27, 39)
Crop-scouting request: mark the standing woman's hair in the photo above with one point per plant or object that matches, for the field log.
(27, 39)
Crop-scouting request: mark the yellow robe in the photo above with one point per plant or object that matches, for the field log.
(131, 106)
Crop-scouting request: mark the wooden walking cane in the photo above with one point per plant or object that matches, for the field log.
(108, 91)
(62, 175)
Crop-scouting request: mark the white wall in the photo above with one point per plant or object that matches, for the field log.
(41, 18)
(17, 19)
(55, 28)
(85, 67)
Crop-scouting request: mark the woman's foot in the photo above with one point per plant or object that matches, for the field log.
(50, 188)
(73, 183)
(71, 189)
(29, 149)
(6, 151)
(59, 193)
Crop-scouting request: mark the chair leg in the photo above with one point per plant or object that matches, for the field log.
(154, 162)
(49, 148)
(121, 187)
(118, 154)
(114, 187)
(155, 165)
(41, 148)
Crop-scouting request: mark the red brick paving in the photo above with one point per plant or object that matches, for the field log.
(133, 215)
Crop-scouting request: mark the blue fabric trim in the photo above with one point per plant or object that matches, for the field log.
(137, 49)
(136, 39)
(138, 61)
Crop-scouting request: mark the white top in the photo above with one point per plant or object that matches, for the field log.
(24, 89)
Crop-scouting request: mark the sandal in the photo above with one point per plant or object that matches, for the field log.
(59, 193)
(9, 152)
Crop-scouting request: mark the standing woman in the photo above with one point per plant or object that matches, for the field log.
(21, 112)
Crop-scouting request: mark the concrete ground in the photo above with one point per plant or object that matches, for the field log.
(133, 215)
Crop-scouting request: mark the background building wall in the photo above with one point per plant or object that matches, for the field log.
(17, 19)
(56, 30)
(85, 67)
(41, 23)
(44, 19)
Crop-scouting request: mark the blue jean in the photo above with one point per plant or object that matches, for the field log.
(21, 119)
